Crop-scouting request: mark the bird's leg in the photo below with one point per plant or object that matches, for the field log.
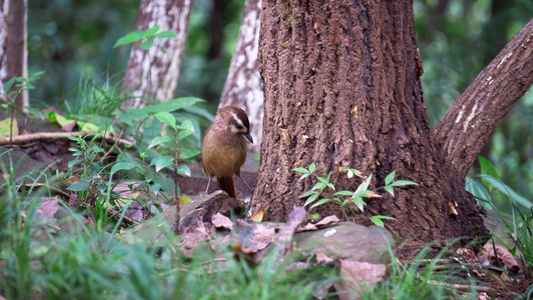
(208, 183)
(249, 188)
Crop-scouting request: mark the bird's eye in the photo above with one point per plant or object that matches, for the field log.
(239, 126)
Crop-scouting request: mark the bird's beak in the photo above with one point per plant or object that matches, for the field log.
(249, 137)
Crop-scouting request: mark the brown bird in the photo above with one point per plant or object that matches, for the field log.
(224, 148)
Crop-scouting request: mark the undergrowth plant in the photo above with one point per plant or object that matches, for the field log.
(345, 198)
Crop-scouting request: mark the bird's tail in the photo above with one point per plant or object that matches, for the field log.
(227, 184)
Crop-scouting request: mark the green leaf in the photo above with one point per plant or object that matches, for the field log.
(312, 167)
(184, 170)
(390, 177)
(35, 112)
(319, 186)
(165, 34)
(307, 194)
(162, 162)
(477, 189)
(73, 162)
(188, 153)
(389, 189)
(166, 118)
(146, 44)
(358, 201)
(487, 168)
(167, 106)
(121, 166)
(311, 199)
(320, 202)
(301, 170)
(151, 31)
(79, 186)
(159, 140)
(505, 189)
(129, 38)
(344, 193)
(403, 183)
(8, 84)
(378, 220)
(187, 125)
(364, 185)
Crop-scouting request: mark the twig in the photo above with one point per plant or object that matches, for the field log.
(112, 147)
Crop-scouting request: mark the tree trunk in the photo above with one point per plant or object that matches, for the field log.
(243, 85)
(342, 89)
(152, 73)
(13, 44)
(468, 124)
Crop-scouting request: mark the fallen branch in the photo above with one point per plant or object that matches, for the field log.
(31, 137)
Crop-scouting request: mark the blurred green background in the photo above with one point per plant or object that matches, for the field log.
(457, 39)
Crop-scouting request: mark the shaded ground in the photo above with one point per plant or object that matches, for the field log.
(55, 154)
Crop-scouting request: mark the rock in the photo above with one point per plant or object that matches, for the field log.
(347, 240)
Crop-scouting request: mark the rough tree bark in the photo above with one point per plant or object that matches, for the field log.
(13, 44)
(465, 128)
(243, 85)
(152, 73)
(342, 89)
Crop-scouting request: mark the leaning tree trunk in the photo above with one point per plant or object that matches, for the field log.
(243, 85)
(153, 73)
(465, 128)
(342, 89)
(13, 44)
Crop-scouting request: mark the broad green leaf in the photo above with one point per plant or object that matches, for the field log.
(166, 118)
(159, 140)
(364, 185)
(188, 153)
(358, 201)
(319, 186)
(187, 125)
(312, 167)
(478, 190)
(151, 31)
(184, 170)
(121, 166)
(390, 177)
(8, 84)
(146, 44)
(165, 34)
(79, 186)
(73, 162)
(154, 188)
(320, 202)
(129, 38)
(162, 162)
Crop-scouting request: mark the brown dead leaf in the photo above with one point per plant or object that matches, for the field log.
(219, 220)
(322, 258)
(491, 254)
(358, 276)
(47, 210)
(326, 221)
(252, 236)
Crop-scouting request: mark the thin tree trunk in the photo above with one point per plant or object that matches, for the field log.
(243, 85)
(13, 44)
(152, 73)
(342, 89)
(468, 124)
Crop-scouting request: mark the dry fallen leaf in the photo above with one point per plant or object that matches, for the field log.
(358, 276)
(492, 253)
(326, 221)
(219, 220)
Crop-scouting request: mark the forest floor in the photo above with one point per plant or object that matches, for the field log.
(55, 153)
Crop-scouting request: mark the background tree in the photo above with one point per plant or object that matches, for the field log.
(342, 89)
(243, 85)
(13, 44)
(154, 73)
